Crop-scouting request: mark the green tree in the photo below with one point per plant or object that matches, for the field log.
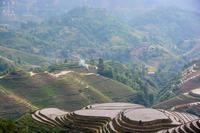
(66, 60)
(92, 62)
(100, 66)
(19, 61)
(151, 99)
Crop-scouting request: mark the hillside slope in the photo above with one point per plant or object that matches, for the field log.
(23, 57)
(186, 94)
(11, 105)
(69, 91)
(168, 25)
(81, 32)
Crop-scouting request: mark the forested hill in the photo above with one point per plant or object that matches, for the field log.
(91, 31)
(79, 29)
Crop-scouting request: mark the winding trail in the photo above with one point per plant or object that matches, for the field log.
(32, 73)
(61, 73)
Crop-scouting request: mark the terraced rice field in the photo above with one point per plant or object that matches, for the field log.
(110, 88)
(189, 85)
(11, 105)
(196, 92)
(190, 127)
(119, 118)
(178, 100)
(67, 90)
(190, 80)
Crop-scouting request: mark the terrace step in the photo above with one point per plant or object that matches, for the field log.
(171, 131)
(180, 129)
(190, 127)
(184, 117)
(198, 123)
(158, 126)
(91, 120)
(194, 126)
(152, 117)
(37, 115)
(81, 123)
(60, 120)
(114, 106)
(106, 130)
(41, 121)
(175, 119)
(111, 128)
(49, 119)
(100, 118)
(123, 128)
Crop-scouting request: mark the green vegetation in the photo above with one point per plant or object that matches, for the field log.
(32, 126)
(7, 126)
(6, 65)
(22, 58)
(70, 91)
(26, 124)
(12, 106)
(133, 77)
(169, 25)
(79, 31)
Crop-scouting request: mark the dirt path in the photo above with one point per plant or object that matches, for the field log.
(87, 74)
(32, 73)
(61, 73)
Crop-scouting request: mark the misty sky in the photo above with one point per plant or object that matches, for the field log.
(189, 4)
(125, 7)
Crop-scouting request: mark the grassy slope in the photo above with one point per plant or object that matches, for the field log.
(69, 92)
(113, 89)
(181, 93)
(26, 57)
(178, 100)
(26, 125)
(32, 126)
(11, 105)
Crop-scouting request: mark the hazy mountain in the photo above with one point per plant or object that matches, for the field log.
(37, 10)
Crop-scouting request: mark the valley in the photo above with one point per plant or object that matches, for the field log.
(102, 66)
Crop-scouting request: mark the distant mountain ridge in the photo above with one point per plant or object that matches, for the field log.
(82, 32)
